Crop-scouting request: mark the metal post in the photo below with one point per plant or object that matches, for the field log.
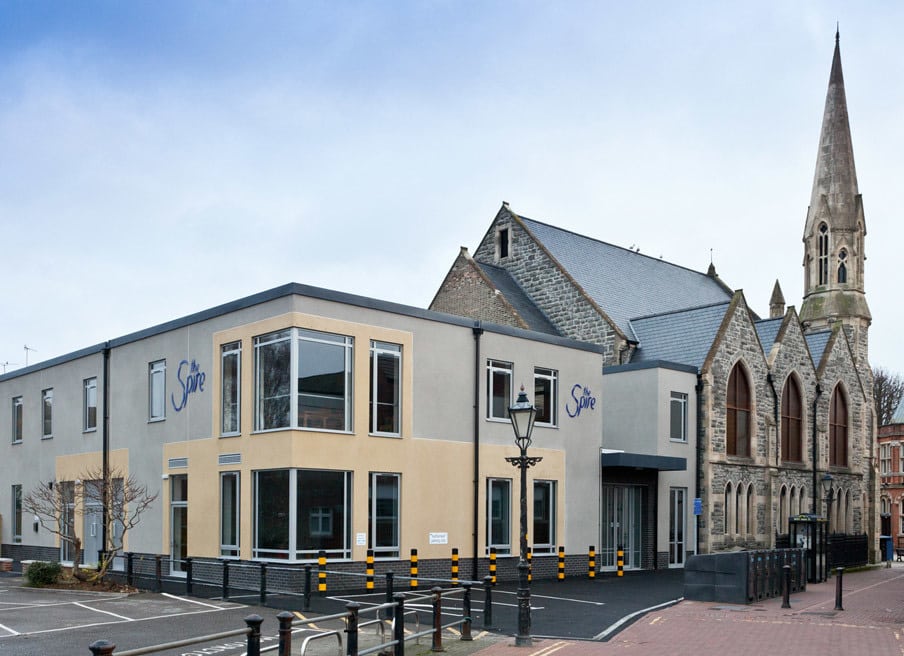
(591, 562)
(254, 636)
(455, 566)
(839, 573)
(466, 611)
(437, 603)
(188, 576)
(390, 595)
(369, 569)
(398, 626)
(102, 648)
(263, 593)
(621, 560)
(285, 633)
(307, 587)
(488, 602)
(412, 583)
(493, 564)
(129, 570)
(158, 568)
(786, 587)
(321, 572)
(560, 575)
(351, 628)
(225, 580)
(523, 638)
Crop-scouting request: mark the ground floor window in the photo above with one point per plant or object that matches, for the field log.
(544, 533)
(499, 515)
(17, 513)
(384, 514)
(229, 514)
(677, 524)
(300, 512)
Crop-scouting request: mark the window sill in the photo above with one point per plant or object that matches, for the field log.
(228, 435)
(46, 437)
(674, 440)
(89, 430)
(539, 425)
(396, 436)
(16, 442)
(156, 420)
(499, 420)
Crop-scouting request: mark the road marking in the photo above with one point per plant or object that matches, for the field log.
(631, 616)
(106, 612)
(11, 632)
(549, 649)
(193, 601)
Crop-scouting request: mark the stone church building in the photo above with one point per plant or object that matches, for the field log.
(775, 403)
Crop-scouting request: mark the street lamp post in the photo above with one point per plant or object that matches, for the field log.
(522, 415)
(829, 496)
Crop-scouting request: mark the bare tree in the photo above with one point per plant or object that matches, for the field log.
(888, 390)
(57, 504)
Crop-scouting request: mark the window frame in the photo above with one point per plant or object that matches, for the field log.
(549, 377)
(157, 388)
(839, 427)
(738, 413)
(18, 418)
(548, 547)
(792, 424)
(505, 485)
(47, 413)
(678, 402)
(506, 371)
(231, 397)
(89, 402)
(822, 257)
(376, 515)
(393, 352)
(231, 549)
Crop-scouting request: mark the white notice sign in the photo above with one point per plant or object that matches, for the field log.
(361, 539)
(439, 538)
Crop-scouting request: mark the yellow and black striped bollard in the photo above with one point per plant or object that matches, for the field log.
(413, 582)
(321, 572)
(370, 569)
(493, 565)
(455, 566)
(530, 564)
(561, 574)
(621, 560)
(591, 563)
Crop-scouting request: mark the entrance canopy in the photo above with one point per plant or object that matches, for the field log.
(642, 461)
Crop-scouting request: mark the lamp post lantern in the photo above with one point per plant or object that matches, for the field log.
(522, 415)
(829, 493)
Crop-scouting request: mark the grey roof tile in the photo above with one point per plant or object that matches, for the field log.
(624, 283)
(522, 303)
(684, 336)
(816, 342)
(767, 330)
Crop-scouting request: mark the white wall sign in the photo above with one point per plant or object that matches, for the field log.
(439, 538)
(360, 539)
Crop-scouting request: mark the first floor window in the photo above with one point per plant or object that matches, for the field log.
(838, 430)
(499, 515)
(544, 533)
(385, 388)
(17, 419)
(230, 399)
(89, 413)
(47, 413)
(157, 390)
(17, 513)
(678, 417)
(737, 414)
(384, 514)
(499, 389)
(545, 396)
(885, 459)
(229, 514)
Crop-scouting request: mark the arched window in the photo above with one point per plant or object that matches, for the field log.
(751, 511)
(794, 506)
(729, 505)
(822, 259)
(838, 429)
(737, 420)
(739, 519)
(842, 266)
(783, 511)
(792, 412)
(848, 514)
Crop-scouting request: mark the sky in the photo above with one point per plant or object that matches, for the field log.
(161, 158)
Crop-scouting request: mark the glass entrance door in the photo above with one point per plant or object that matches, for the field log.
(622, 507)
(677, 524)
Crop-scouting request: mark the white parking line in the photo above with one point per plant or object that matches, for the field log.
(106, 612)
(626, 618)
(11, 632)
(192, 601)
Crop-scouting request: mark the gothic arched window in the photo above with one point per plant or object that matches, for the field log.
(838, 429)
(792, 412)
(822, 260)
(737, 410)
(842, 266)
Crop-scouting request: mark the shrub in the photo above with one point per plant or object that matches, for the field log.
(40, 574)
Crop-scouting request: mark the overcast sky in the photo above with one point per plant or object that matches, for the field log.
(160, 158)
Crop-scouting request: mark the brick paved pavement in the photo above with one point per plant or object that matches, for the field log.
(871, 623)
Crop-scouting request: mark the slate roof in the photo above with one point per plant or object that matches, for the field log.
(515, 295)
(767, 331)
(817, 344)
(685, 336)
(898, 417)
(623, 283)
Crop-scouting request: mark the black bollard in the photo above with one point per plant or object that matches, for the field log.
(786, 586)
(838, 575)
(466, 611)
(285, 632)
(437, 602)
(488, 602)
(351, 628)
(254, 636)
(102, 648)
(307, 587)
(390, 595)
(398, 626)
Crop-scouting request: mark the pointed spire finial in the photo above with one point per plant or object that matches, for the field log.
(837, 32)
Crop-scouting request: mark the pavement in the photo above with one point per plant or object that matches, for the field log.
(871, 622)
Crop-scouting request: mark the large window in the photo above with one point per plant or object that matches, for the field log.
(89, 410)
(792, 415)
(838, 429)
(17, 513)
(299, 512)
(157, 390)
(737, 420)
(885, 458)
(678, 417)
(499, 515)
(384, 514)
(822, 261)
(229, 513)
(321, 386)
(499, 389)
(17, 419)
(385, 388)
(47, 414)
(230, 400)
(546, 396)
(544, 533)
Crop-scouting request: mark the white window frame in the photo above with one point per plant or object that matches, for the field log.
(884, 458)
(18, 419)
(230, 351)
(47, 413)
(89, 400)
(545, 547)
(551, 376)
(231, 550)
(388, 551)
(505, 484)
(506, 371)
(157, 390)
(678, 404)
(378, 351)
